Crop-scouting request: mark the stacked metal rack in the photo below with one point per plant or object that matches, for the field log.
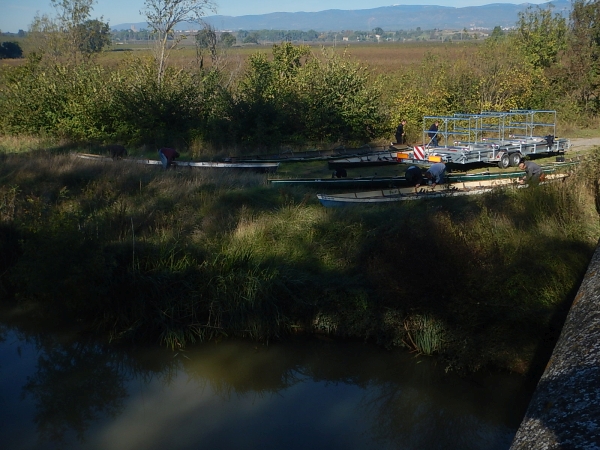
(502, 138)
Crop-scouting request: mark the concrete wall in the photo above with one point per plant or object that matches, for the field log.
(564, 412)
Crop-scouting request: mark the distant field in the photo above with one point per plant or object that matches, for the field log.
(385, 57)
(382, 57)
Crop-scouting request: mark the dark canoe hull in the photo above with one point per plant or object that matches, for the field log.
(264, 167)
(343, 183)
(376, 159)
(309, 155)
(400, 181)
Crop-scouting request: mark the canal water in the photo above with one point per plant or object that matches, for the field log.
(60, 393)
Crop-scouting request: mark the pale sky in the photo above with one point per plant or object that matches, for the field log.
(18, 14)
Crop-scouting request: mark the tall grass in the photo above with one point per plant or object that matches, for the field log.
(137, 253)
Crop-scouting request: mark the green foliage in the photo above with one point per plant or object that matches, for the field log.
(206, 38)
(340, 101)
(297, 96)
(497, 33)
(497, 78)
(541, 35)
(188, 256)
(70, 34)
(58, 100)
(251, 38)
(227, 39)
(579, 78)
(93, 36)
(157, 113)
(10, 50)
(424, 334)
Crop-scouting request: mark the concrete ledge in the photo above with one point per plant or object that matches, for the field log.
(564, 412)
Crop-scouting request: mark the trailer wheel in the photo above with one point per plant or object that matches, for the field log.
(504, 162)
(515, 159)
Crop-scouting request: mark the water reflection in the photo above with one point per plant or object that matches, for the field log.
(75, 394)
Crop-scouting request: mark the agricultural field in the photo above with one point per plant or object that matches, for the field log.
(385, 58)
(382, 58)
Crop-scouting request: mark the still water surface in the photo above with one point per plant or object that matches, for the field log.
(60, 393)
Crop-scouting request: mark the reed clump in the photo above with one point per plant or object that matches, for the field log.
(181, 256)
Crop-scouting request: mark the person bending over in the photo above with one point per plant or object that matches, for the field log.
(167, 156)
(436, 173)
(533, 173)
(414, 176)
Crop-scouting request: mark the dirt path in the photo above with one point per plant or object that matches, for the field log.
(578, 144)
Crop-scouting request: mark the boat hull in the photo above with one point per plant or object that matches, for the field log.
(265, 167)
(400, 181)
(406, 194)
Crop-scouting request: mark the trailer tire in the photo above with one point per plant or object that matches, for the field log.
(515, 159)
(504, 162)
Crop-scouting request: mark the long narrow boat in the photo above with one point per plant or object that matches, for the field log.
(383, 158)
(405, 194)
(400, 181)
(268, 167)
(309, 155)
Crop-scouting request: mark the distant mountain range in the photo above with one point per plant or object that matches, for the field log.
(390, 18)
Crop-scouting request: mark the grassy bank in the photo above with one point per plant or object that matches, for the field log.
(140, 254)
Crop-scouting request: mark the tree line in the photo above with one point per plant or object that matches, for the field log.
(295, 95)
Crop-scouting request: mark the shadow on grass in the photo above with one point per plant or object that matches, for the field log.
(143, 254)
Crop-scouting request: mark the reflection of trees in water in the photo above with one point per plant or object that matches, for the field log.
(238, 368)
(78, 383)
(74, 384)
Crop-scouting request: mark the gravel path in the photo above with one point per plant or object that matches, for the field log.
(585, 143)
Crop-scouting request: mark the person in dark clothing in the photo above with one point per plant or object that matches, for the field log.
(167, 156)
(433, 129)
(436, 173)
(533, 173)
(117, 151)
(339, 173)
(401, 133)
(414, 176)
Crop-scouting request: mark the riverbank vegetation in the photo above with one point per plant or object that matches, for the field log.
(183, 256)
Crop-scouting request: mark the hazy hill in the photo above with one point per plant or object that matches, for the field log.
(390, 18)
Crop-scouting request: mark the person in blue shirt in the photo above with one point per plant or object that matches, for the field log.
(436, 173)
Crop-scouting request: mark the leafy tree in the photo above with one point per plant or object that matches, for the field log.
(378, 31)
(340, 101)
(227, 39)
(72, 14)
(63, 35)
(93, 36)
(10, 50)
(206, 40)
(251, 38)
(297, 97)
(163, 16)
(497, 33)
(541, 35)
(582, 58)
